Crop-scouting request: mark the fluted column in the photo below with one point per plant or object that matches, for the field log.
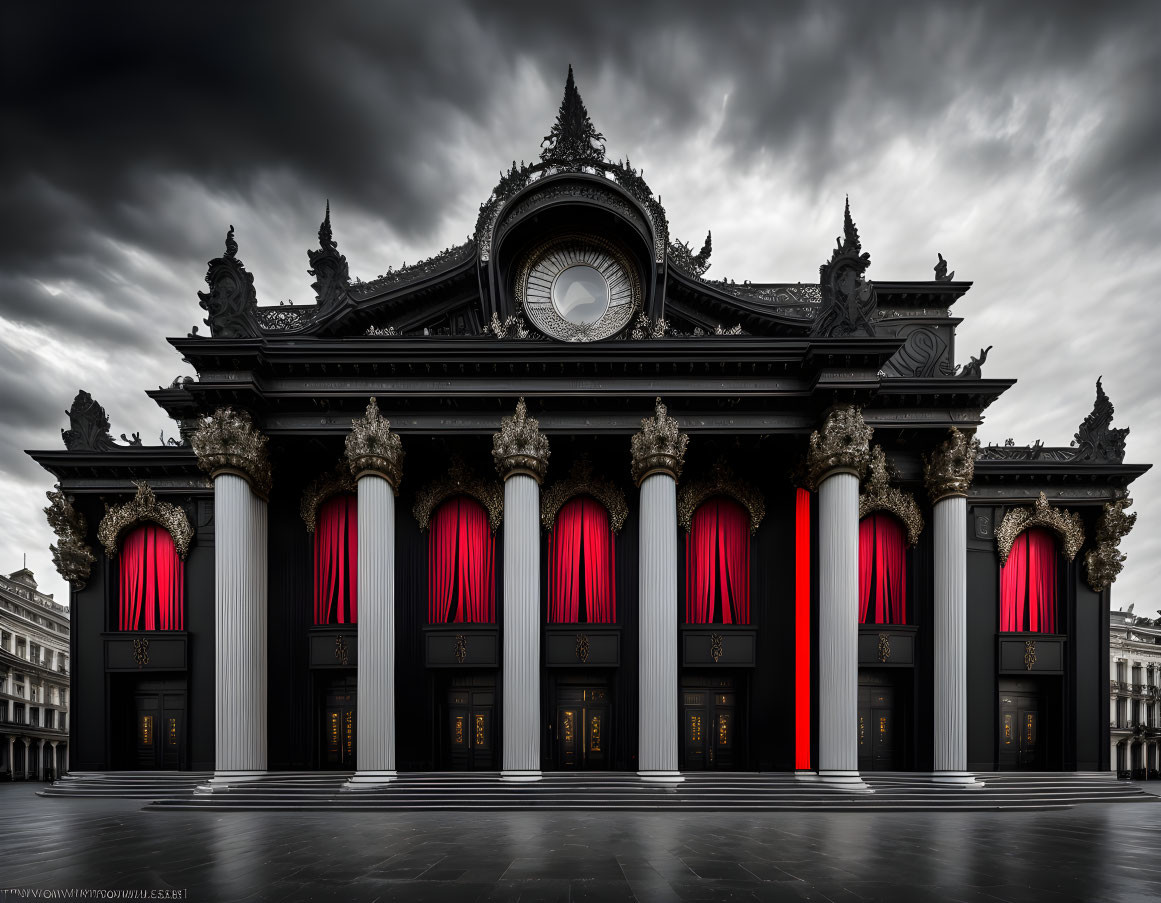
(948, 475)
(838, 459)
(27, 758)
(375, 456)
(521, 455)
(55, 761)
(233, 452)
(658, 454)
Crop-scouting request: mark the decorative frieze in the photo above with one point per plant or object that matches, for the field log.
(373, 448)
(843, 444)
(1065, 524)
(721, 481)
(582, 481)
(879, 495)
(520, 447)
(144, 508)
(659, 446)
(228, 442)
(950, 468)
(460, 480)
(1104, 561)
(322, 488)
(71, 554)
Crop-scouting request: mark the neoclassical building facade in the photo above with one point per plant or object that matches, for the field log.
(554, 500)
(1135, 693)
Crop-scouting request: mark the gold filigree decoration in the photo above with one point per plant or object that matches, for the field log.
(879, 495)
(144, 508)
(582, 648)
(1029, 654)
(228, 442)
(582, 481)
(520, 447)
(1065, 524)
(949, 469)
(721, 481)
(460, 649)
(460, 480)
(884, 650)
(1104, 561)
(322, 488)
(659, 446)
(341, 650)
(141, 651)
(71, 555)
(717, 649)
(842, 444)
(373, 449)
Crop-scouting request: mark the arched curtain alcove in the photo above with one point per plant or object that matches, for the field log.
(461, 557)
(152, 581)
(581, 565)
(882, 570)
(717, 564)
(1028, 584)
(336, 561)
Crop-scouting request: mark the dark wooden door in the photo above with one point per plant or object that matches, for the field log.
(470, 725)
(581, 728)
(1020, 730)
(158, 727)
(338, 728)
(878, 728)
(709, 727)
(147, 717)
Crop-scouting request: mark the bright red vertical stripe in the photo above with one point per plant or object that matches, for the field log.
(802, 630)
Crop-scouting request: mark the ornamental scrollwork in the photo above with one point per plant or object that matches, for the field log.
(71, 555)
(519, 446)
(460, 648)
(322, 488)
(460, 480)
(717, 647)
(444, 260)
(144, 508)
(582, 481)
(1029, 654)
(949, 469)
(843, 443)
(341, 653)
(373, 448)
(582, 648)
(681, 255)
(1065, 524)
(227, 441)
(1104, 561)
(879, 495)
(141, 651)
(884, 648)
(721, 481)
(659, 446)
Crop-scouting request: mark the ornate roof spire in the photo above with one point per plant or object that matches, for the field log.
(231, 245)
(573, 139)
(329, 267)
(325, 239)
(1095, 438)
(848, 300)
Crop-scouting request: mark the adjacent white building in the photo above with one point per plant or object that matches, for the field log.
(34, 681)
(1135, 691)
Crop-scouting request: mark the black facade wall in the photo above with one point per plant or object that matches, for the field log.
(416, 730)
(1089, 642)
(199, 625)
(922, 601)
(983, 582)
(89, 707)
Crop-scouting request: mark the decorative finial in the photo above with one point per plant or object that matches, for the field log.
(520, 447)
(975, 370)
(941, 274)
(325, 240)
(231, 245)
(850, 242)
(1095, 438)
(573, 139)
(373, 448)
(848, 300)
(659, 447)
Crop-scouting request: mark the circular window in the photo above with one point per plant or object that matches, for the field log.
(580, 294)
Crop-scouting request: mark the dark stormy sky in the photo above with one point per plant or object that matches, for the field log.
(1019, 139)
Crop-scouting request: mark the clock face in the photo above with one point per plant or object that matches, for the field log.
(578, 288)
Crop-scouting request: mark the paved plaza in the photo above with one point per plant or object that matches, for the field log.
(1106, 852)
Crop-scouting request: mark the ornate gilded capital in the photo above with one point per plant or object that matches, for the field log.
(460, 480)
(520, 447)
(721, 481)
(948, 470)
(144, 508)
(1105, 560)
(659, 447)
(582, 481)
(322, 488)
(843, 444)
(373, 448)
(1065, 524)
(879, 495)
(228, 442)
(71, 555)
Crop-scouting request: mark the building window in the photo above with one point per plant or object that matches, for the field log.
(717, 564)
(49, 717)
(882, 570)
(1028, 584)
(336, 561)
(152, 582)
(461, 564)
(581, 565)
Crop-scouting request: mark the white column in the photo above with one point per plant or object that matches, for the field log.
(27, 758)
(838, 630)
(521, 744)
(55, 761)
(375, 726)
(657, 593)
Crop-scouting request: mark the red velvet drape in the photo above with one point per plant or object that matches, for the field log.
(336, 561)
(152, 582)
(461, 558)
(882, 570)
(581, 565)
(1028, 584)
(717, 564)
(802, 711)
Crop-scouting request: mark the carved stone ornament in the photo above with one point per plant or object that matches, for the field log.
(1029, 654)
(941, 273)
(582, 481)
(717, 648)
(228, 442)
(88, 426)
(144, 508)
(231, 302)
(460, 480)
(329, 268)
(71, 555)
(1095, 438)
(373, 448)
(322, 488)
(1065, 524)
(341, 652)
(573, 139)
(659, 446)
(520, 447)
(681, 255)
(948, 470)
(582, 648)
(848, 301)
(884, 648)
(460, 648)
(879, 495)
(842, 444)
(1104, 561)
(721, 481)
(141, 651)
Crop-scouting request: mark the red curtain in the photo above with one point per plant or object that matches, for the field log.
(581, 565)
(802, 629)
(882, 570)
(461, 557)
(152, 587)
(717, 564)
(336, 561)
(1028, 584)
